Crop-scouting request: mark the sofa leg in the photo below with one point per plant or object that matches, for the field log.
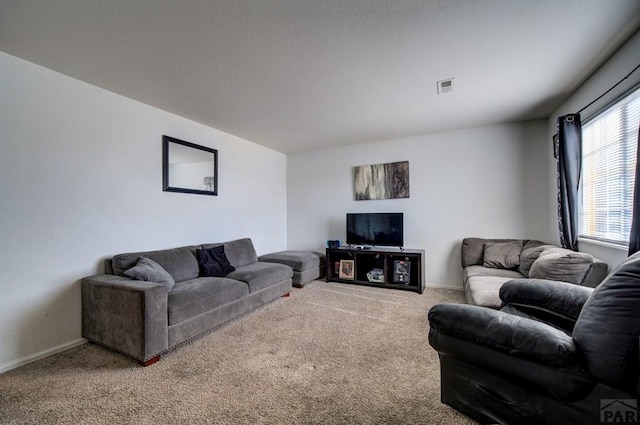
(149, 362)
(286, 295)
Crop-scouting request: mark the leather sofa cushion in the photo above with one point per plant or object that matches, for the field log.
(607, 329)
(261, 275)
(192, 297)
(561, 264)
(556, 303)
(180, 263)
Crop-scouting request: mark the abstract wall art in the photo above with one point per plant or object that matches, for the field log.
(382, 181)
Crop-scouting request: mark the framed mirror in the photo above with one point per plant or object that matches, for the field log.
(189, 168)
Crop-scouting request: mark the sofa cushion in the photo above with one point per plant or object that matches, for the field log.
(485, 271)
(502, 255)
(561, 264)
(240, 252)
(213, 262)
(484, 290)
(180, 263)
(530, 253)
(150, 271)
(472, 250)
(192, 297)
(261, 275)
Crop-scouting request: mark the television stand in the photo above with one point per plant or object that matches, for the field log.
(377, 266)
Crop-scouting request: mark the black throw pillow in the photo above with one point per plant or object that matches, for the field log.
(213, 262)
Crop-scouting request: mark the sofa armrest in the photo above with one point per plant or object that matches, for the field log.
(512, 347)
(554, 302)
(503, 332)
(129, 316)
(596, 273)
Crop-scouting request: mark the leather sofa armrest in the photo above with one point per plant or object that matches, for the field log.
(553, 302)
(129, 316)
(513, 347)
(502, 332)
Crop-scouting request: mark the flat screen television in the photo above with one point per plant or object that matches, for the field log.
(382, 229)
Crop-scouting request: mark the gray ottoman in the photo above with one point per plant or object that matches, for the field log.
(306, 265)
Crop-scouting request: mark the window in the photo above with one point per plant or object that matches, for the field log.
(609, 143)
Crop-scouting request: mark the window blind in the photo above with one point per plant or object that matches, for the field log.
(609, 143)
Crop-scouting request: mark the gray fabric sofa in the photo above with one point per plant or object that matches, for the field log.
(488, 263)
(142, 318)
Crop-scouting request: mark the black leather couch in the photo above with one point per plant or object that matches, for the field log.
(555, 353)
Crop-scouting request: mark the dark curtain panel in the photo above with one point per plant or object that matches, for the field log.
(634, 236)
(569, 172)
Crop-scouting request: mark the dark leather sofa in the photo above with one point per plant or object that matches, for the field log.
(555, 353)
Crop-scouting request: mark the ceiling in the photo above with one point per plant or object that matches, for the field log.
(297, 75)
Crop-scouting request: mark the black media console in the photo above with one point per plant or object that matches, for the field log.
(381, 267)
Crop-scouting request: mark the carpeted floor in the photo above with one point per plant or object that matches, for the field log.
(329, 354)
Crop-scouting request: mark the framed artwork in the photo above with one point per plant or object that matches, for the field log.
(382, 181)
(346, 269)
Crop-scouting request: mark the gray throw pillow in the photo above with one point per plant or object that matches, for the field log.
(530, 253)
(502, 255)
(561, 264)
(150, 271)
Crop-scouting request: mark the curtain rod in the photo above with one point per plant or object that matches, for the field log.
(613, 87)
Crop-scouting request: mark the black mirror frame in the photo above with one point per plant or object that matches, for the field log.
(165, 167)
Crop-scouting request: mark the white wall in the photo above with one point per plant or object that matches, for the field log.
(485, 182)
(81, 180)
(616, 68)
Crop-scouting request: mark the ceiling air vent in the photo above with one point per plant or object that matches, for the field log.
(445, 86)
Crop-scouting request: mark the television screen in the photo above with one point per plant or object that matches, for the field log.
(384, 229)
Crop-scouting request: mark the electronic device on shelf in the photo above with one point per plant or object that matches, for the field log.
(376, 275)
(401, 271)
(333, 244)
(360, 247)
(375, 229)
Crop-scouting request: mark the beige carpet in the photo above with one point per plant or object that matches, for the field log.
(329, 354)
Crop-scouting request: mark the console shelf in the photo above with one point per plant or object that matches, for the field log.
(380, 267)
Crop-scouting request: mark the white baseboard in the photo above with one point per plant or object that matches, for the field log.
(5, 367)
(439, 286)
